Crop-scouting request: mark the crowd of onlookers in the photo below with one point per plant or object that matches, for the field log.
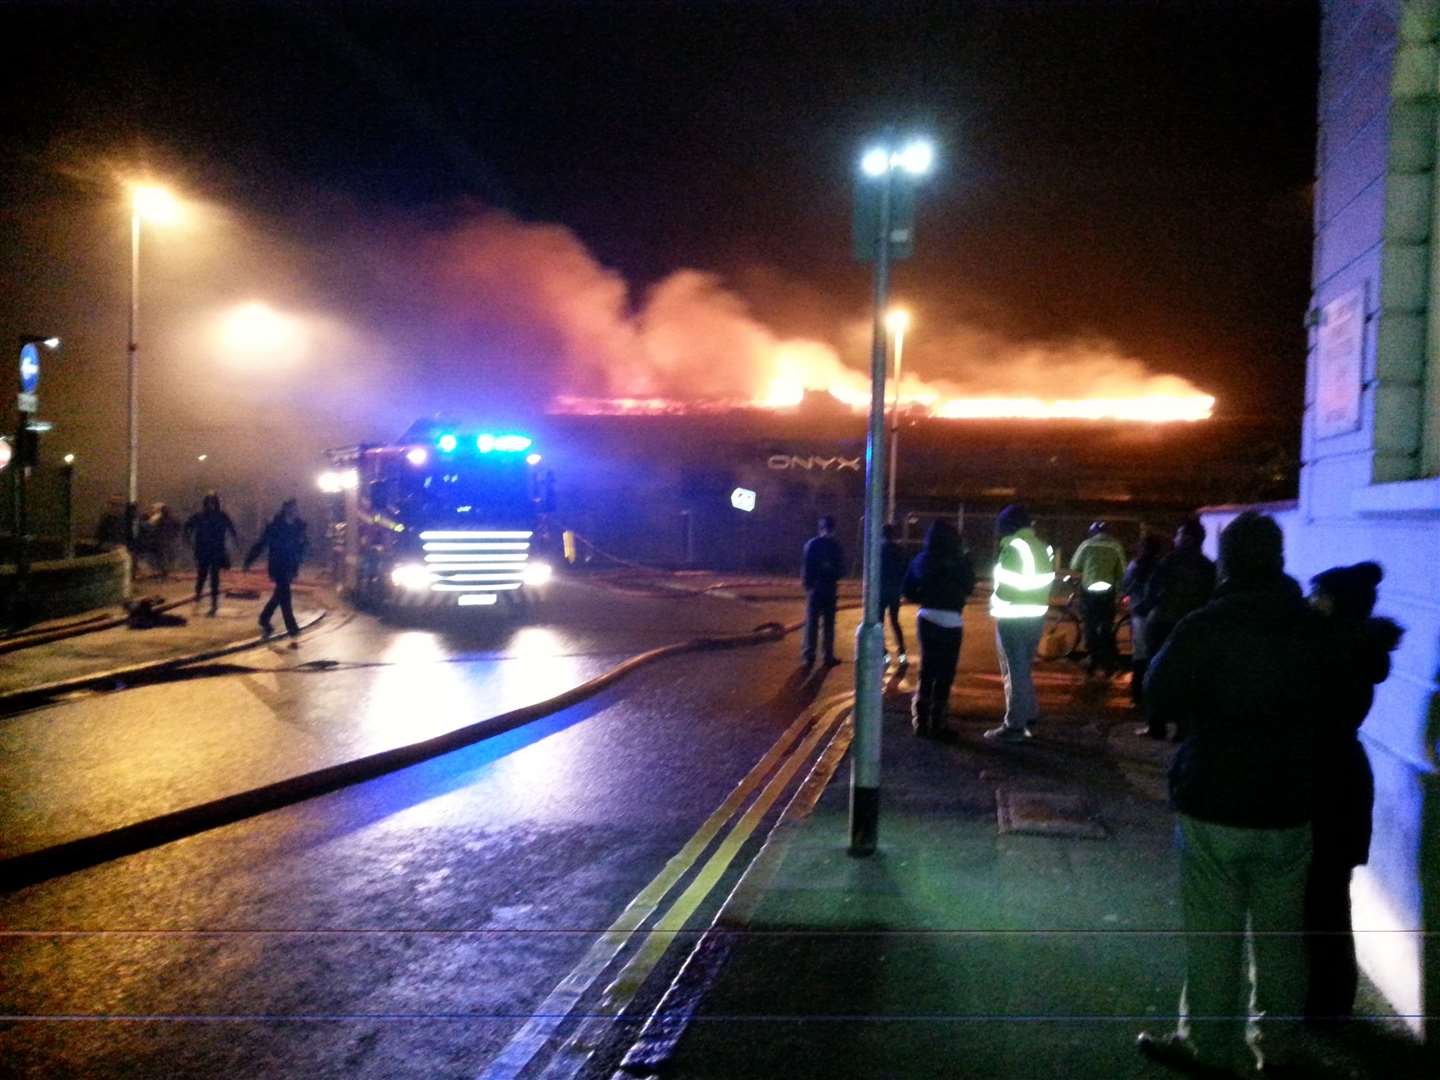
(1263, 688)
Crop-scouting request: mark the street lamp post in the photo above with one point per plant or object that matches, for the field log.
(898, 320)
(159, 205)
(880, 167)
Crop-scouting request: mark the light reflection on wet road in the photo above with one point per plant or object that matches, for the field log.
(409, 922)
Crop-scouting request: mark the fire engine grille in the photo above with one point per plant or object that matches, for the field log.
(476, 561)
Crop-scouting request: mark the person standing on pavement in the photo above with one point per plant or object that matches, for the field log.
(940, 579)
(1246, 679)
(893, 565)
(1182, 583)
(1132, 588)
(823, 569)
(110, 529)
(1024, 574)
(162, 529)
(207, 531)
(1359, 648)
(1099, 563)
(284, 537)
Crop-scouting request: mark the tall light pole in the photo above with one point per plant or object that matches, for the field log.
(148, 202)
(883, 230)
(897, 321)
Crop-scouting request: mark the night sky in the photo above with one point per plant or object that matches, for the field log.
(1139, 171)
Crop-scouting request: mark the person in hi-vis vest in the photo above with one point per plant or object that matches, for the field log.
(1024, 573)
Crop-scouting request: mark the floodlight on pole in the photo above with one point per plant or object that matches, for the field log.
(159, 206)
(884, 232)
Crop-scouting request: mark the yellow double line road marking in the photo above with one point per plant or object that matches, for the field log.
(562, 1001)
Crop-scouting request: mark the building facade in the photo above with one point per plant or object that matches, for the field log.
(1370, 452)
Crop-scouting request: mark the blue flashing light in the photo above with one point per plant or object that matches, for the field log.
(514, 444)
(447, 443)
(485, 443)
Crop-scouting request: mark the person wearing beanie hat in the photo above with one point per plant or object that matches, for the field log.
(1245, 678)
(1359, 648)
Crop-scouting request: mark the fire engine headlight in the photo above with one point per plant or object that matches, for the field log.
(410, 576)
(537, 573)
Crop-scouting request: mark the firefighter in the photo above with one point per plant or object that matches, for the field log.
(1024, 573)
(1099, 563)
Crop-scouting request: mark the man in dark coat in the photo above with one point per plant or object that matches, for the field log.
(824, 567)
(1245, 677)
(207, 531)
(893, 565)
(284, 537)
(1182, 583)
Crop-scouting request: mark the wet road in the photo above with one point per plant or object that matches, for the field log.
(404, 927)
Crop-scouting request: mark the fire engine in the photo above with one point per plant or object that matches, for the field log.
(445, 516)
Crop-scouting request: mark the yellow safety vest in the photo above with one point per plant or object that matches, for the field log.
(1023, 577)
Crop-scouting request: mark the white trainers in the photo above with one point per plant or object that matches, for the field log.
(1008, 734)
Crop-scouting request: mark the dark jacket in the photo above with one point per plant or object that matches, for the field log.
(1358, 654)
(1245, 677)
(824, 566)
(286, 543)
(207, 530)
(1182, 583)
(1137, 577)
(893, 565)
(940, 581)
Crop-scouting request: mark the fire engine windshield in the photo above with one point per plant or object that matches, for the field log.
(493, 492)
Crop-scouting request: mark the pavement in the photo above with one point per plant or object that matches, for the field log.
(96, 652)
(1020, 919)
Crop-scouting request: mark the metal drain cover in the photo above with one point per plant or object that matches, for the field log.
(1044, 814)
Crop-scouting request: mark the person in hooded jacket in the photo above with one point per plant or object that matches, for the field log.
(940, 579)
(1360, 647)
(1245, 677)
(285, 539)
(207, 531)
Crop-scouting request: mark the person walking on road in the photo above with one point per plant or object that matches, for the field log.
(207, 531)
(1359, 648)
(1132, 588)
(1099, 563)
(824, 567)
(1182, 583)
(284, 538)
(940, 580)
(1246, 679)
(893, 566)
(1024, 574)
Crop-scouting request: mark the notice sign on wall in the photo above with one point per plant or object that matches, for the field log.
(1339, 354)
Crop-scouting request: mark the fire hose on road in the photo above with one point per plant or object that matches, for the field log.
(28, 868)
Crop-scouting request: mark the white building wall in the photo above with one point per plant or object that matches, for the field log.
(1374, 493)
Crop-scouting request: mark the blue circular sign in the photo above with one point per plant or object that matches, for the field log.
(29, 368)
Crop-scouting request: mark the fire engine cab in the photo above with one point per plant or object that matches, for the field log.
(445, 516)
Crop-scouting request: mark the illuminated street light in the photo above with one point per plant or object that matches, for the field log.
(883, 231)
(157, 205)
(897, 321)
(69, 459)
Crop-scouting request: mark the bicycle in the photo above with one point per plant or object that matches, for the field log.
(1063, 637)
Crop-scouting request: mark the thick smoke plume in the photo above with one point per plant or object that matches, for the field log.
(540, 291)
